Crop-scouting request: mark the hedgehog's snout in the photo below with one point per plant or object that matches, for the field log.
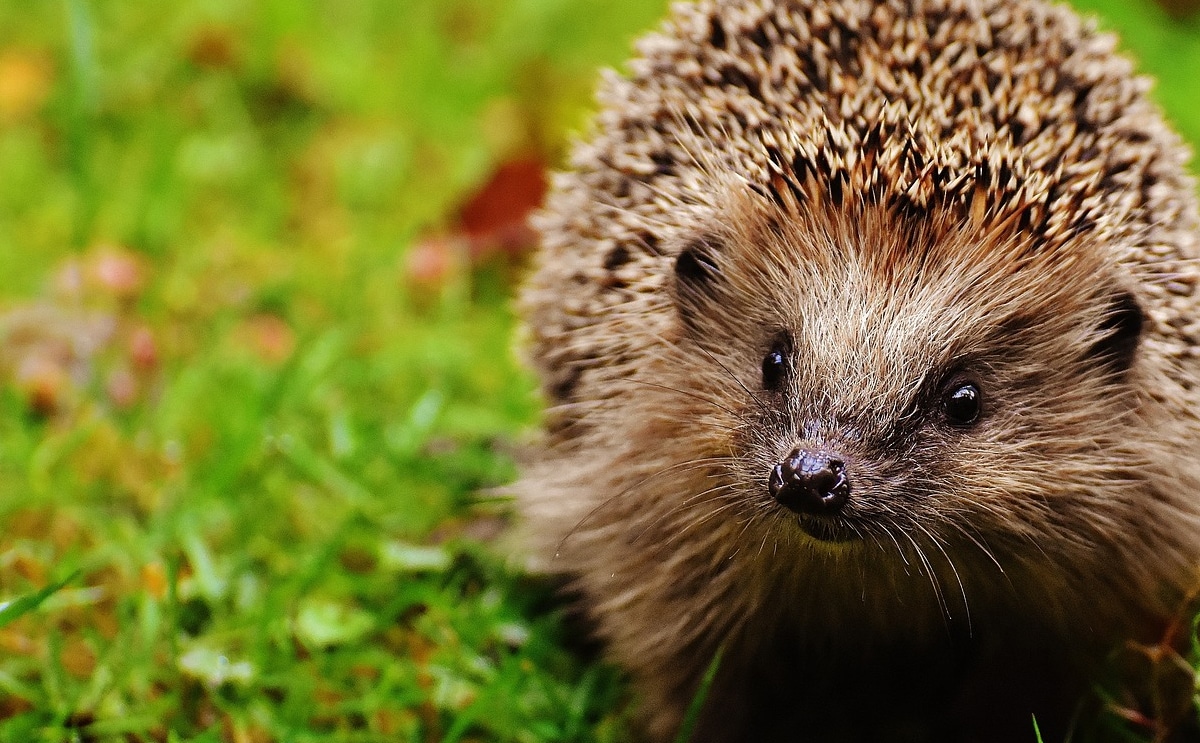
(810, 482)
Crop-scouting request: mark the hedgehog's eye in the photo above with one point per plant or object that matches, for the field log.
(775, 364)
(962, 404)
(774, 370)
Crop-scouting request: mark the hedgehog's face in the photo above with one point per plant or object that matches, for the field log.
(897, 385)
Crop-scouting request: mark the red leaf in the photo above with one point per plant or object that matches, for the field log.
(495, 217)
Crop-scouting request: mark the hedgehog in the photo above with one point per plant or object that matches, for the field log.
(869, 339)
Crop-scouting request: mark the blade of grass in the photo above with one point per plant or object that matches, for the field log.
(693, 712)
(22, 605)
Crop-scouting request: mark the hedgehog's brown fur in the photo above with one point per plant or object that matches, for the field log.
(909, 189)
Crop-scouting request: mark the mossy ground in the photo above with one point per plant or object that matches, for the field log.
(256, 376)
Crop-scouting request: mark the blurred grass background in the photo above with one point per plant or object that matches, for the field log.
(255, 369)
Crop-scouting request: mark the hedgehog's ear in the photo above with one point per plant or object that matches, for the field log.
(1120, 330)
(697, 273)
(697, 268)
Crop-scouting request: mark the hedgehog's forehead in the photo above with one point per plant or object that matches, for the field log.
(876, 277)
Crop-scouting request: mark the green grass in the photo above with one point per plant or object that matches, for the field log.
(251, 442)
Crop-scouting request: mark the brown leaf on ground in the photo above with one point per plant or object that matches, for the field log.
(215, 47)
(357, 559)
(495, 219)
(11, 706)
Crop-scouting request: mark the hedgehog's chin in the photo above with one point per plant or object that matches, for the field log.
(827, 530)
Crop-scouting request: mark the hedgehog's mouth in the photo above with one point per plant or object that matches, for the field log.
(827, 530)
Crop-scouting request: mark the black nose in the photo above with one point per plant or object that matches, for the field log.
(810, 482)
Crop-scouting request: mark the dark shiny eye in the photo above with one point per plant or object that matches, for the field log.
(962, 404)
(774, 370)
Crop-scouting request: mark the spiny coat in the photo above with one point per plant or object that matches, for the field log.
(897, 199)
